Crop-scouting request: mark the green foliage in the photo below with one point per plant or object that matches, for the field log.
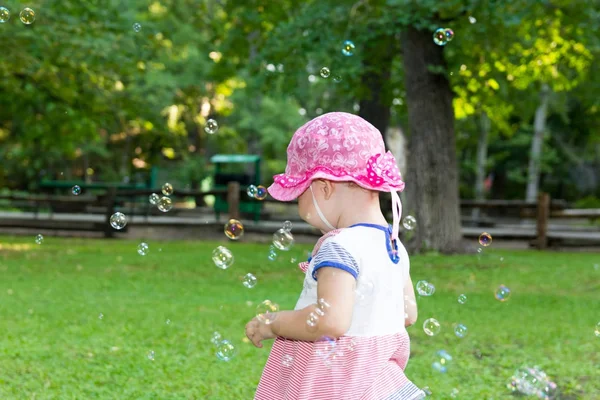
(56, 346)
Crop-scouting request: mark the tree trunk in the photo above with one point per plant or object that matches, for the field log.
(432, 174)
(482, 147)
(376, 100)
(539, 126)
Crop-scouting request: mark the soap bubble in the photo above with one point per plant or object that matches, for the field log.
(597, 330)
(225, 350)
(409, 222)
(100, 316)
(287, 225)
(323, 304)
(143, 249)
(27, 16)
(249, 281)
(137, 27)
(532, 381)
(443, 361)
(154, 199)
(460, 330)
(454, 393)
(502, 293)
(283, 239)
(364, 291)
(449, 34)
(4, 15)
(76, 190)
(39, 239)
(211, 126)
(216, 338)
(168, 322)
(462, 298)
(287, 360)
(325, 72)
(348, 48)
(431, 326)
(472, 19)
(261, 192)
(165, 204)
(222, 257)
(251, 191)
(272, 255)
(234, 229)
(425, 288)
(485, 239)
(151, 355)
(266, 311)
(439, 37)
(118, 220)
(167, 189)
(337, 78)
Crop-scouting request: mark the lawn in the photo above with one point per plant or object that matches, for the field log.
(79, 318)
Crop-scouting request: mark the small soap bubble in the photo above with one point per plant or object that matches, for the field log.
(234, 229)
(165, 204)
(151, 355)
(319, 312)
(443, 361)
(532, 381)
(167, 189)
(312, 320)
(211, 126)
(27, 16)
(118, 220)
(251, 191)
(39, 239)
(597, 330)
(431, 326)
(261, 192)
(323, 304)
(454, 393)
(439, 37)
(287, 360)
(4, 15)
(216, 338)
(76, 190)
(283, 239)
(225, 350)
(449, 34)
(154, 199)
(460, 330)
(485, 239)
(100, 316)
(137, 27)
(325, 72)
(266, 311)
(462, 298)
(249, 281)
(348, 48)
(364, 291)
(143, 249)
(425, 288)
(502, 293)
(337, 78)
(168, 322)
(287, 226)
(409, 222)
(472, 19)
(293, 260)
(272, 255)
(222, 257)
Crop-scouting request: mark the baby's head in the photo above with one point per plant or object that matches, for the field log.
(335, 160)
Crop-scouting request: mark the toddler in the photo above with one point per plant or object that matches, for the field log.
(346, 338)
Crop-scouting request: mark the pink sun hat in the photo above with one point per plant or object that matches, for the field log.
(340, 147)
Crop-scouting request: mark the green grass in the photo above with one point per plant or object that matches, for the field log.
(55, 346)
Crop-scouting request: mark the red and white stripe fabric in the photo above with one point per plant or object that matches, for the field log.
(350, 368)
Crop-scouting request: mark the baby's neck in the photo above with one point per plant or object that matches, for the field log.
(353, 217)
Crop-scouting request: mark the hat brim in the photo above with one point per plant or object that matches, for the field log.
(281, 193)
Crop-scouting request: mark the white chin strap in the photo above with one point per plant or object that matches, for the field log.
(331, 227)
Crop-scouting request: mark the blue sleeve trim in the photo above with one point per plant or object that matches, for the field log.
(332, 264)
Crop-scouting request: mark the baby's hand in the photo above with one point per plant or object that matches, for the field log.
(258, 331)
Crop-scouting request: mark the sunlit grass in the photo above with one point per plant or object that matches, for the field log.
(56, 346)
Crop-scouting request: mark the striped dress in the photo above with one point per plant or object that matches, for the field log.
(368, 362)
